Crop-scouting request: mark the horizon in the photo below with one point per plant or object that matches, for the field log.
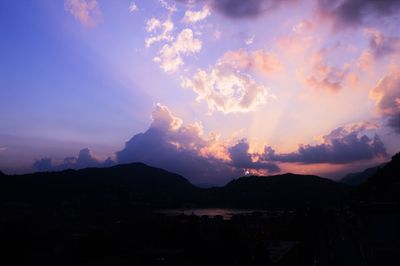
(209, 90)
(199, 185)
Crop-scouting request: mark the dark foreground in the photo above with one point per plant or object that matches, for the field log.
(56, 219)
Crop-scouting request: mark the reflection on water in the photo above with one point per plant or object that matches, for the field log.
(225, 213)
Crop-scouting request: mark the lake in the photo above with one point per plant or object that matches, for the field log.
(211, 212)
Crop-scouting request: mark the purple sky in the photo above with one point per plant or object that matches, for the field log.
(209, 89)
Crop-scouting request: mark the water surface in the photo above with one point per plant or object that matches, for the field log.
(210, 212)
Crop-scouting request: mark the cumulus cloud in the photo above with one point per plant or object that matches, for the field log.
(241, 158)
(162, 31)
(87, 12)
(85, 159)
(196, 16)
(178, 148)
(226, 88)
(175, 47)
(387, 97)
(343, 145)
(324, 76)
(345, 13)
(170, 55)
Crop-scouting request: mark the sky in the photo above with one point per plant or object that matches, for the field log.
(209, 89)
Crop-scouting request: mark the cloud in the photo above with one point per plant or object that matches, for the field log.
(387, 97)
(196, 16)
(297, 45)
(178, 148)
(87, 12)
(170, 55)
(165, 4)
(350, 13)
(226, 88)
(343, 13)
(324, 76)
(249, 40)
(343, 145)
(239, 9)
(381, 45)
(162, 29)
(43, 165)
(85, 159)
(303, 26)
(241, 158)
(259, 60)
(366, 60)
(133, 7)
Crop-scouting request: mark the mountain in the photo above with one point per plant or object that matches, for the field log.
(385, 184)
(136, 184)
(287, 190)
(142, 186)
(355, 179)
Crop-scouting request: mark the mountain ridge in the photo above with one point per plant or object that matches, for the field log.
(138, 184)
(357, 178)
(141, 185)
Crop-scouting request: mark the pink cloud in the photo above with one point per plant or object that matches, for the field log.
(87, 12)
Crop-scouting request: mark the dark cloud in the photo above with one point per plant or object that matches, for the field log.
(177, 148)
(394, 122)
(342, 145)
(343, 12)
(43, 165)
(353, 12)
(84, 159)
(238, 9)
(387, 95)
(241, 158)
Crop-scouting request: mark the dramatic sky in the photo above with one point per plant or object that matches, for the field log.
(210, 89)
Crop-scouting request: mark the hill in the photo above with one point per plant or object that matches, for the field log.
(385, 184)
(287, 190)
(355, 179)
(132, 184)
(142, 186)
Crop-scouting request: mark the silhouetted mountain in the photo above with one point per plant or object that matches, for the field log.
(385, 184)
(287, 190)
(139, 185)
(355, 179)
(136, 184)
